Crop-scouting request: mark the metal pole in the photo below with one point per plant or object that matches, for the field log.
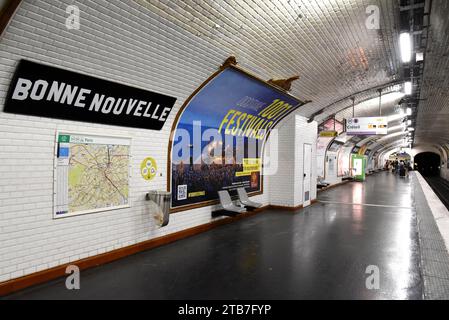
(353, 107)
(380, 102)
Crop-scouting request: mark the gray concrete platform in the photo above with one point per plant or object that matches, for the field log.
(320, 252)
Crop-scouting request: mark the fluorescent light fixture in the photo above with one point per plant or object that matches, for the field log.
(391, 135)
(395, 117)
(408, 88)
(419, 56)
(401, 127)
(392, 97)
(411, 129)
(409, 111)
(406, 47)
(409, 122)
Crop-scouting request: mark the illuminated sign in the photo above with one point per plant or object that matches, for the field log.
(367, 126)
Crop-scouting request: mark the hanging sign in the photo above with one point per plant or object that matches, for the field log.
(40, 90)
(328, 133)
(367, 126)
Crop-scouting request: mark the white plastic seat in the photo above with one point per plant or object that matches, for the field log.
(243, 196)
(227, 204)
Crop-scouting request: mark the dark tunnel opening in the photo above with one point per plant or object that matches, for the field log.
(428, 164)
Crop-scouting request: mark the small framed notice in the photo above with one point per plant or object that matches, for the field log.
(92, 173)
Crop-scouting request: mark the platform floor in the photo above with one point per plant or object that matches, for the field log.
(320, 252)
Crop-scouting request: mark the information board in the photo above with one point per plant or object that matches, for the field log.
(367, 126)
(91, 173)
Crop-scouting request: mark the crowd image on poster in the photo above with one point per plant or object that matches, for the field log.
(219, 138)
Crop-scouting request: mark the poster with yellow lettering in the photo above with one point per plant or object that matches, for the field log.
(219, 138)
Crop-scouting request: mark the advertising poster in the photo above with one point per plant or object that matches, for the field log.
(335, 146)
(355, 150)
(219, 138)
(343, 161)
(321, 147)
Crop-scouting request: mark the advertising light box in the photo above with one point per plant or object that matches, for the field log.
(367, 126)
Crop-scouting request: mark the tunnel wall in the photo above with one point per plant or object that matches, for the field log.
(444, 170)
(125, 43)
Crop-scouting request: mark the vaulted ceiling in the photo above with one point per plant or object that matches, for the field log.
(326, 42)
(334, 45)
(433, 112)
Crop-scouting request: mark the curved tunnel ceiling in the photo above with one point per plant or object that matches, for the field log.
(433, 112)
(327, 43)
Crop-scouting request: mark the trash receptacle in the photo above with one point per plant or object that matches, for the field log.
(162, 200)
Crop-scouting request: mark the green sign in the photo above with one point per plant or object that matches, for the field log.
(64, 138)
(358, 167)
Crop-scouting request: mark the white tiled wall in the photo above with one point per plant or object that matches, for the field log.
(286, 185)
(305, 133)
(282, 190)
(127, 43)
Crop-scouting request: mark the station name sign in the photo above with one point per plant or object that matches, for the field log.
(367, 126)
(44, 91)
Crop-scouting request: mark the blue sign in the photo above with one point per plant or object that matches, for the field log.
(63, 152)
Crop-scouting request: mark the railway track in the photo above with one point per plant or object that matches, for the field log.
(441, 188)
